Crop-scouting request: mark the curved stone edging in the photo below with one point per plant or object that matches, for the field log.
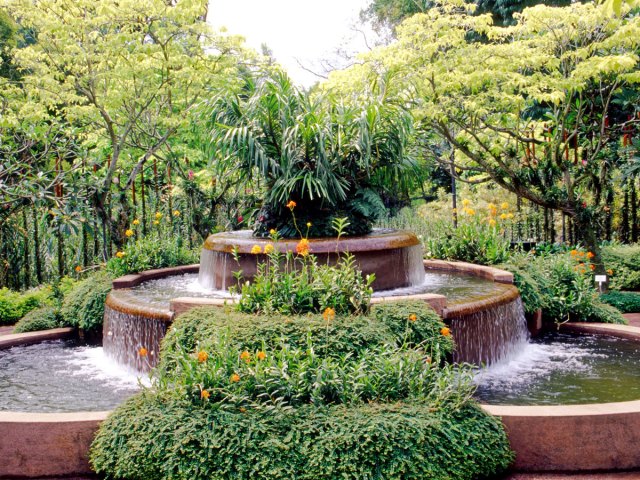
(35, 445)
(599, 436)
(508, 293)
(490, 273)
(29, 338)
(121, 301)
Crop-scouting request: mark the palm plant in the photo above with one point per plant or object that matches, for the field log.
(331, 158)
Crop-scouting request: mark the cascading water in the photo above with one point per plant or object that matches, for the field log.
(490, 334)
(212, 263)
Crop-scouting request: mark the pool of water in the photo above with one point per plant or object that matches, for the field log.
(455, 287)
(564, 369)
(61, 376)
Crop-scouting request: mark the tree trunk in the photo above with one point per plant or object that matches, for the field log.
(36, 245)
(634, 211)
(27, 255)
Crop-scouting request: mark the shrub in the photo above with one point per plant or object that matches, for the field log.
(160, 437)
(471, 242)
(601, 312)
(83, 305)
(624, 263)
(528, 280)
(43, 318)
(294, 285)
(14, 305)
(149, 253)
(388, 324)
(626, 302)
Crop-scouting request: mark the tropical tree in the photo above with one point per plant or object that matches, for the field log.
(524, 106)
(330, 159)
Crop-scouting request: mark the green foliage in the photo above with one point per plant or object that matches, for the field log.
(387, 324)
(292, 285)
(151, 252)
(83, 306)
(624, 261)
(601, 312)
(151, 436)
(334, 159)
(43, 318)
(471, 242)
(14, 305)
(626, 302)
(528, 281)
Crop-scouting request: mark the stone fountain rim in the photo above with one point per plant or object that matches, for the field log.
(385, 239)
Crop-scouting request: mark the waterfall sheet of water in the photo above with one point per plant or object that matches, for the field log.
(213, 265)
(132, 340)
(490, 334)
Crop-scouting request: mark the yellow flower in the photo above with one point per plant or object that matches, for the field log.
(492, 222)
(470, 211)
(291, 205)
(136, 222)
(329, 314)
(78, 268)
(143, 352)
(268, 248)
(120, 254)
(246, 356)
(235, 378)
(261, 355)
(413, 317)
(176, 213)
(509, 216)
(504, 206)
(158, 215)
(256, 249)
(503, 216)
(465, 202)
(204, 394)
(129, 233)
(202, 356)
(273, 231)
(302, 248)
(445, 331)
(309, 224)
(156, 222)
(455, 210)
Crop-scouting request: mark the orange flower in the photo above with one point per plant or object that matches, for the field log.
(256, 249)
(580, 254)
(246, 356)
(234, 378)
(291, 205)
(590, 255)
(202, 356)
(573, 253)
(413, 317)
(302, 248)
(261, 355)
(268, 248)
(143, 352)
(204, 394)
(242, 410)
(592, 267)
(446, 331)
(610, 272)
(78, 268)
(329, 314)
(427, 360)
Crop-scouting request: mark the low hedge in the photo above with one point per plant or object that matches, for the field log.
(83, 305)
(44, 318)
(159, 437)
(624, 263)
(14, 305)
(626, 302)
(386, 324)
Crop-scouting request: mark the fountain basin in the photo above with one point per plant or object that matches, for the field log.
(589, 437)
(392, 255)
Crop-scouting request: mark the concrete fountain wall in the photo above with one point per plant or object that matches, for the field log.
(564, 438)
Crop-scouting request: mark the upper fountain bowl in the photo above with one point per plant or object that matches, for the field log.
(394, 256)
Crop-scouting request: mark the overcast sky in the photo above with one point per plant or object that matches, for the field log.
(306, 30)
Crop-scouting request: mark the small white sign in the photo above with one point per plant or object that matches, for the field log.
(601, 278)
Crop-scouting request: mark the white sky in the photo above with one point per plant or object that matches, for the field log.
(307, 30)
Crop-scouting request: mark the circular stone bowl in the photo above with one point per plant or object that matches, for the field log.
(574, 438)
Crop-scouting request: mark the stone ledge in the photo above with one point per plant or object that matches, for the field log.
(15, 339)
(135, 279)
